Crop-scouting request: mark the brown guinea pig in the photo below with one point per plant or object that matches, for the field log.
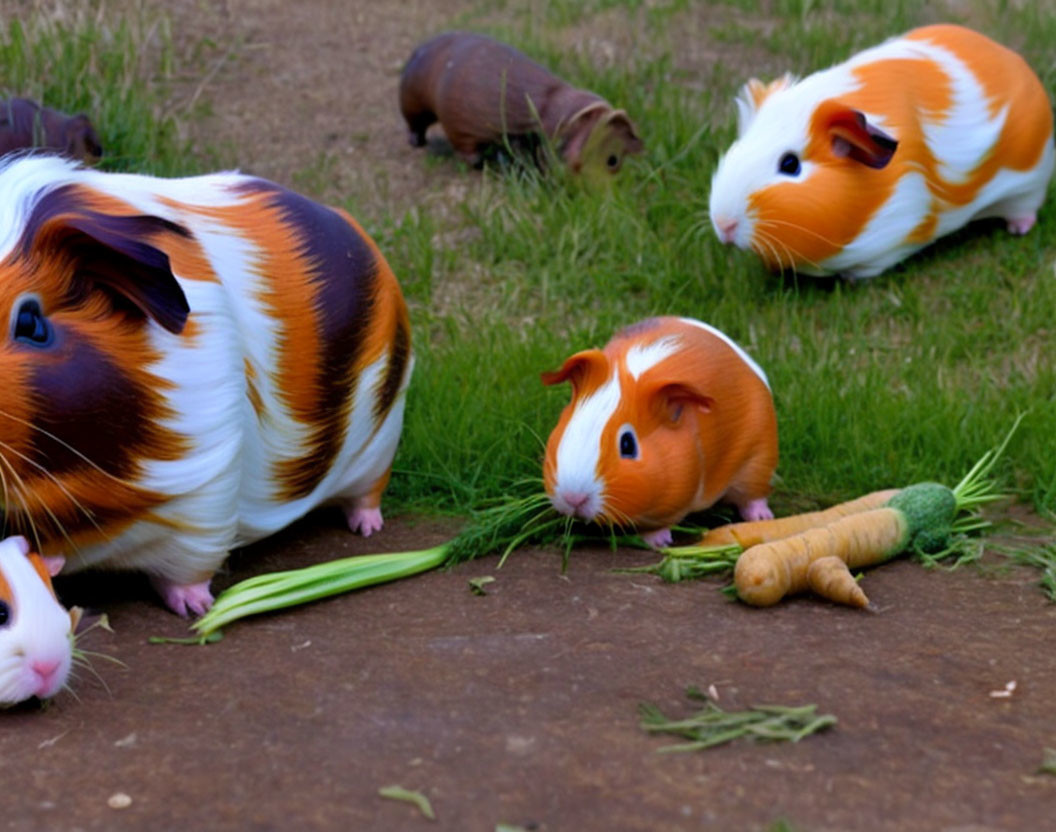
(481, 90)
(25, 124)
(670, 418)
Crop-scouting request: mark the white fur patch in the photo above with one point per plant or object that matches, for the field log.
(579, 450)
(641, 358)
(737, 348)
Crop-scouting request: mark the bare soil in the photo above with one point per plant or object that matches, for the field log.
(520, 706)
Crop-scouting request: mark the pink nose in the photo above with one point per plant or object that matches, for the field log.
(575, 499)
(44, 669)
(726, 227)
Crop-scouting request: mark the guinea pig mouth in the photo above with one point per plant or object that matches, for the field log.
(579, 504)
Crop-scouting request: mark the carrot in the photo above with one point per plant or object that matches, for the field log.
(830, 578)
(760, 531)
(766, 573)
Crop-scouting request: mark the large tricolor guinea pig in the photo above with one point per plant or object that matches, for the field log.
(854, 168)
(189, 365)
(36, 632)
(670, 417)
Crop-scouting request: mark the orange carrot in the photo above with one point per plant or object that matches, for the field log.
(769, 571)
(761, 531)
(830, 578)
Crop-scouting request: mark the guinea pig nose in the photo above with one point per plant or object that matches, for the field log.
(575, 499)
(44, 668)
(727, 227)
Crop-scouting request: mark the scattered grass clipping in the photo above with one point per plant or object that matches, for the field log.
(712, 726)
(409, 796)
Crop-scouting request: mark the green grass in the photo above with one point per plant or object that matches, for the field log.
(905, 377)
(75, 61)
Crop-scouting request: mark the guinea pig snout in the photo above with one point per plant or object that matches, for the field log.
(50, 676)
(576, 503)
(726, 228)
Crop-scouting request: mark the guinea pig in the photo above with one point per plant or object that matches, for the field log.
(852, 169)
(25, 124)
(189, 366)
(36, 632)
(669, 418)
(481, 90)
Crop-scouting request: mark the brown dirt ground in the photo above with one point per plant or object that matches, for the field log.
(520, 706)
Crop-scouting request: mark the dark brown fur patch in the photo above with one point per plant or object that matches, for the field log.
(389, 388)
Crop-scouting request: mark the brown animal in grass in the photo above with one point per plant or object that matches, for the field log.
(26, 124)
(483, 91)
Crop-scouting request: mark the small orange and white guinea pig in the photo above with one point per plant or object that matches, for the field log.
(189, 365)
(670, 417)
(854, 168)
(36, 632)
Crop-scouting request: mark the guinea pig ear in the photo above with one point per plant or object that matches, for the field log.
(113, 252)
(752, 96)
(588, 367)
(672, 399)
(851, 135)
(81, 140)
(42, 568)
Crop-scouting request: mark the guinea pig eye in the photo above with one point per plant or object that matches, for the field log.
(613, 162)
(789, 164)
(31, 327)
(5, 613)
(628, 445)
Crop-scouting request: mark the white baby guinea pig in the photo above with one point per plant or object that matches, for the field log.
(36, 632)
(854, 168)
(670, 417)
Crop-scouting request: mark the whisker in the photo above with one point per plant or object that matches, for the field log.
(64, 444)
(59, 527)
(88, 515)
(797, 227)
(81, 661)
(793, 253)
(19, 492)
(771, 249)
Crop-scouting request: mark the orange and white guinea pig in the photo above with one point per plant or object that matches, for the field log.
(669, 418)
(36, 632)
(189, 365)
(854, 168)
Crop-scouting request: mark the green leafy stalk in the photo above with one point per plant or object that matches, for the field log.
(499, 528)
(277, 590)
(683, 563)
(713, 726)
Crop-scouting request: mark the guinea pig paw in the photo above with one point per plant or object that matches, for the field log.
(366, 521)
(184, 599)
(658, 539)
(756, 510)
(1021, 225)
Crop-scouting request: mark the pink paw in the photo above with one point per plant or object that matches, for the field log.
(366, 521)
(658, 539)
(756, 510)
(184, 599)
(1021, 225)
